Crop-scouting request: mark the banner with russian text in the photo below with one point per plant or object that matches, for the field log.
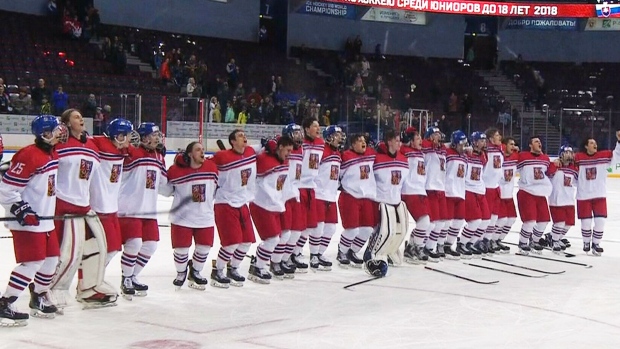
(542, 23)
(377, 14)
(485, 8)
(603, 24)
(323, 8)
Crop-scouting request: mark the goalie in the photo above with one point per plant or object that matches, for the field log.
(390, 170)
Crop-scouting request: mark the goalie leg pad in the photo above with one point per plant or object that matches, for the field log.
(70, 255)
(389, 235)
(94, 261)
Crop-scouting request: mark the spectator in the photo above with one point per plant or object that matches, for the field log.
(365, 69)
(233, 72)
(46, 107)
(164, 72)
(192, 90)
(22, 103)
(240, 91)
(243, 116)
(89, 108)
(230, 113)
(325, 121)
(5, 102)
(120, 60)
(60, 101)
(215, 115)
(101, 119)
(39, 93)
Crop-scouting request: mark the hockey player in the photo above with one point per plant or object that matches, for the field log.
(356, 201)
(268, 206)
(236, 188)
(27, 190)
(291, 228)
(490, 175)
(327, 183)
(313, 147)
(562, 198)
(192, 176)
(390, 169)
(144, 177)
(435, 162)
(107, 181)
(507, 213)
(456, 171)
(477, 214)
(414, 195)
(81, 236)
(534, 188)
(592, 191)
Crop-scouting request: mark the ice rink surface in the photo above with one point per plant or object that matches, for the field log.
(410, 308)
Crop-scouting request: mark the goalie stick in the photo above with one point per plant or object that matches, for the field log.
(220, 144)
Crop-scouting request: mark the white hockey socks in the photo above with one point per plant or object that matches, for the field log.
(491, 230)
(180, 255)
(469, 232)
(129, 256)
(361, 238)
(422, 228)
(510, 221)
(146, 251)
(276, 256)
(20, 277)
(239, 254)
(201, 253)
(315, 237)
(346, 239)
(599, 228)
(224, 256)
(539, 230)
(45, 274)
(526, 232)
(328, 231)
(301, 242)
(455, 228)
(557, 230)
(264, 251)
(443, 234)
(290, 245)
(586, 230)
(481, 231)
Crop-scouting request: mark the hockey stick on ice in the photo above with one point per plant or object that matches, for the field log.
(362, 282)
(462, 277)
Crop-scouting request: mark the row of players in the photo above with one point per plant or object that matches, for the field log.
(290, 191)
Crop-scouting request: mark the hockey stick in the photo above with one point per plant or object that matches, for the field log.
(505, 271)
(362, 282)
(566, 254)
(523, 267)
(462, 277)
(220, 144)
(554, 260)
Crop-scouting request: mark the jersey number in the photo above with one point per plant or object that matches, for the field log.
(19, 167)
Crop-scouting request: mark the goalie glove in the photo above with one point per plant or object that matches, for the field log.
(24, 214)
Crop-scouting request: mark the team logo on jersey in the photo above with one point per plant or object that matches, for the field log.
(442, 164)
(460, 172)
(590, 173)
(567, 181)
(538, 173)
(280, 182)
(364, 172)
(333, 173)
(298, 172)
(421, 168)
(116, 173)
(396, 176)
(475, 174)
(86, 167)
(199, 192)
(497, 161)
(151, 177)
(508, 174)
(313, 162)
(245, 176)
(51, 185)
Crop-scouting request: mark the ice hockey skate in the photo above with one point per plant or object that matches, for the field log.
(343, 260)
(316, 264)
(414, 254)
(597, 250)
(258, 275)
(141, 289)
(196, 281)
(236, 279)
(127, 288)
(219, 279)
(9, 316)
(179, 280)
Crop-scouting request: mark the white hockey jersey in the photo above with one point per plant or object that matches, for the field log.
(473, 178)
(106, 182)
(356, 174)
(564, 186)
(507, 181)
(390, 173)
(312, 154)
(237, 177)
(416, 178)
(270, 179)
(435, 162)
(76, 163)
(329, 171)
(456, 168)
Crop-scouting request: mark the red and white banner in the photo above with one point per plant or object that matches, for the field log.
(486, 8)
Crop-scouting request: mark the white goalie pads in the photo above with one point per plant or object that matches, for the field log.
(76, 252)
(392, 230)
